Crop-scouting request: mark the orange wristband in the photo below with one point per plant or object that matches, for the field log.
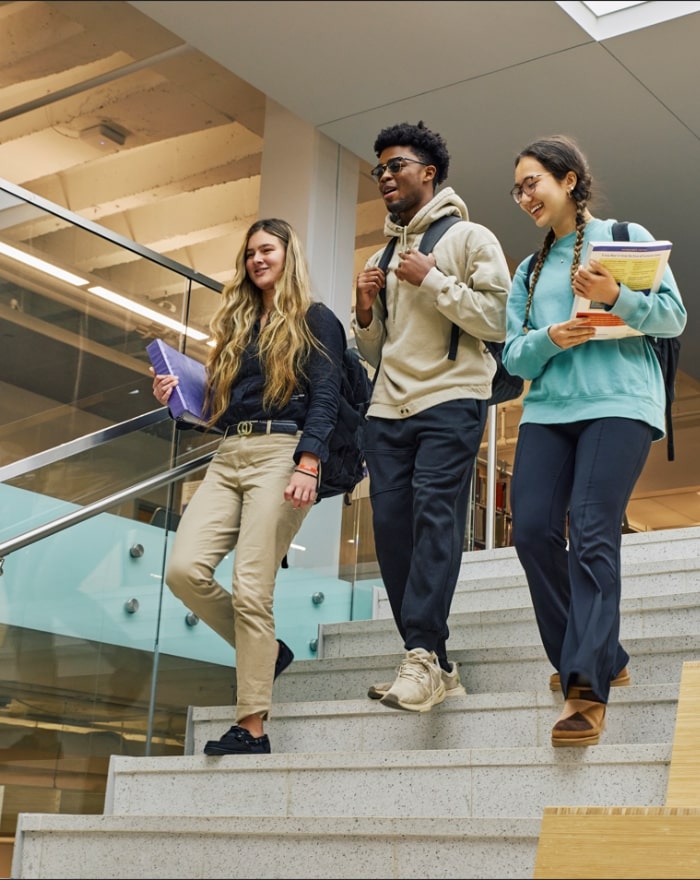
(305, 469)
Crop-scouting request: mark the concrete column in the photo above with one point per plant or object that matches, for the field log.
(311, 182)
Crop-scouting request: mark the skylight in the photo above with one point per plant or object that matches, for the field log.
(601, 9)
(604, 20)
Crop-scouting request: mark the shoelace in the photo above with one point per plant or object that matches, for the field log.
(408, 669)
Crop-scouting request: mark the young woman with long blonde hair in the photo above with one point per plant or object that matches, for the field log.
(273, 391)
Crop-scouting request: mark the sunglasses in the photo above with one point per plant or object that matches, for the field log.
(394, 166)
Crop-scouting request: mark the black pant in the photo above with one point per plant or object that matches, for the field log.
(420, 470)
(587, 470)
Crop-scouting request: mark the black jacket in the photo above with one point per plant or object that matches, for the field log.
(313, 404)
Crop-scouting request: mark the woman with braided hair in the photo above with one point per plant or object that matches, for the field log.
(590, 415)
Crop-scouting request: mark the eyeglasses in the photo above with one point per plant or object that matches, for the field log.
(394, 165)
(527, 187)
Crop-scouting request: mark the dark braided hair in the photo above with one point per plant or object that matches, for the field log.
(426, 144)
(559, 155)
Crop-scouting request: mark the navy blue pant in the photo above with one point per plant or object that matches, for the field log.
(584, 472)
(420, 470)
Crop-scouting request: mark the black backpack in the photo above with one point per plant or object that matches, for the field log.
(504, 386)
(667, 349)
(345, 466)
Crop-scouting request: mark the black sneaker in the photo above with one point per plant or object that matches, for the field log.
(284, 658)
(237, 741)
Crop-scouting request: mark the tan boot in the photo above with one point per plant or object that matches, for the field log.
(622, 679)
(580, 723)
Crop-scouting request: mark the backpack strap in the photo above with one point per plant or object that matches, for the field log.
(435, 231)
(383, 264)
(531, 268)
(667, 355)
(430, 238)
(620, 232)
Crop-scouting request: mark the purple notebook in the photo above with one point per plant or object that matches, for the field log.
(187, 399)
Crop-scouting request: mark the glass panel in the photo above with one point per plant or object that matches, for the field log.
(78, 650)
(71, 360)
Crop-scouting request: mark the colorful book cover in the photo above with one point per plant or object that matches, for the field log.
(639, 265)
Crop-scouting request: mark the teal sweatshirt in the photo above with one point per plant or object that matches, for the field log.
(601, 377)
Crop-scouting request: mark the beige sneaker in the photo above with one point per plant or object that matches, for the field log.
(418, 686)
(451, 680)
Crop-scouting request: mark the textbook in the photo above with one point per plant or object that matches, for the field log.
(187, 399)
(639, 265)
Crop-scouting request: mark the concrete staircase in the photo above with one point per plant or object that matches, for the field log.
(354, 789)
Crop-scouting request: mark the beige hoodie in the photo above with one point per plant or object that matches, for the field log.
(468, 286)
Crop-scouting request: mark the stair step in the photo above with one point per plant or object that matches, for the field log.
(363, 790)
(619, 842)
(654, 615)
(508, 588)
(461, 783)
(638, 547)
(654, 660)
(640, 580)
(123, 847)
(636, 714)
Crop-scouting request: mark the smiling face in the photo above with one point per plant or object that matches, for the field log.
(264, 260)
(545, 198)
(406, 190)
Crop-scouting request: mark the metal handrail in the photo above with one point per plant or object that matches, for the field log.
(103, 232)
(81, 444)
(95, 507)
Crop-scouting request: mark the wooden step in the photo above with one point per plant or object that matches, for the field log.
(624, 842)
(629, 841)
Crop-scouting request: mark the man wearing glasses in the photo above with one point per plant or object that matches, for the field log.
(428, 409)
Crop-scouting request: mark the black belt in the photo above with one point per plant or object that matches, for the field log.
(243, 429)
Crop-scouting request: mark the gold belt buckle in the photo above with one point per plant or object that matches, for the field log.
(243, 429)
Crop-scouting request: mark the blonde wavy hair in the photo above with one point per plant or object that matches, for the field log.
(285, 340)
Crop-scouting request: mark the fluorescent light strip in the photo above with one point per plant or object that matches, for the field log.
(42, 265)
(145, 312)
(117, 299)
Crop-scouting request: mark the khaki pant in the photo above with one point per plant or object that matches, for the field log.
(239, 505)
